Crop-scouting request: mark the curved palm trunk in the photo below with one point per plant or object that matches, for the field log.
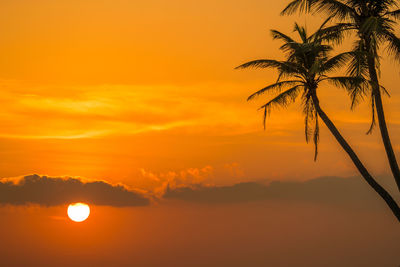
(361, 168)
(382, 121)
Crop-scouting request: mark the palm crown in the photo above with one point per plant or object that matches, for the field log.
(373, 21)
(306, 65)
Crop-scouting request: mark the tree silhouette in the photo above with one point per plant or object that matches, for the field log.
(305, 68)
(373, 21)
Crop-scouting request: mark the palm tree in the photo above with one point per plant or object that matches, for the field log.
(373, 21)
(305, 68)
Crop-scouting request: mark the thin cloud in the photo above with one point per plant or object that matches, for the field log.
(53, 191)
(324, 190)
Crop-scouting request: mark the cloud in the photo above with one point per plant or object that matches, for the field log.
(182, 177)
(67, 111)
(324, 190)
(235, 170)
(53, 191)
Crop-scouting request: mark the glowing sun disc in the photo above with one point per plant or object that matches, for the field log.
(78, 212)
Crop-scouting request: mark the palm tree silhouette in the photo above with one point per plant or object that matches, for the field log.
(305, 68)
(373, 21)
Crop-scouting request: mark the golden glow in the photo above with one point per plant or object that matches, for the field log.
(103, 92)
(78, 212)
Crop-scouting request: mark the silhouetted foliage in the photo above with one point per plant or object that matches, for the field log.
(373, 21)
(307, 65)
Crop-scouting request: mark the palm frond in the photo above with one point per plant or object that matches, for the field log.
(281, 36)
(384, 91)
(298, 5)
(282, 100)
(308, 111)
(393, 46)
(395, 14)
(301, 31)
(335, 8)
(346, 82)
(311, 116)
(357, 95)
(316, 136)
(274, 87)
(261, 63)
(336, 62)
(315, 36)
(270, 63)
(358, 65)
(308, 62)
(373, 120)
(369, 25)
(333, 34)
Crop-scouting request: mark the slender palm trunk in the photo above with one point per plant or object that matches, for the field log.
(382, 121)
(361, 168)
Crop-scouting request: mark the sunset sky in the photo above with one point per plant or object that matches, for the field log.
(142, 97)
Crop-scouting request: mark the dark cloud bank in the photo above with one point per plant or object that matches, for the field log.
(49, 191)
(53, 191)
(324, 190)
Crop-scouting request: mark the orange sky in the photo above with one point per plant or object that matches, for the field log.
(108, 89)
(145, 92)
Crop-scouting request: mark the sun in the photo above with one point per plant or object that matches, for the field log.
(78, 212)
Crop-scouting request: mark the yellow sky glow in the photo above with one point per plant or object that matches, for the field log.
(109, 89)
